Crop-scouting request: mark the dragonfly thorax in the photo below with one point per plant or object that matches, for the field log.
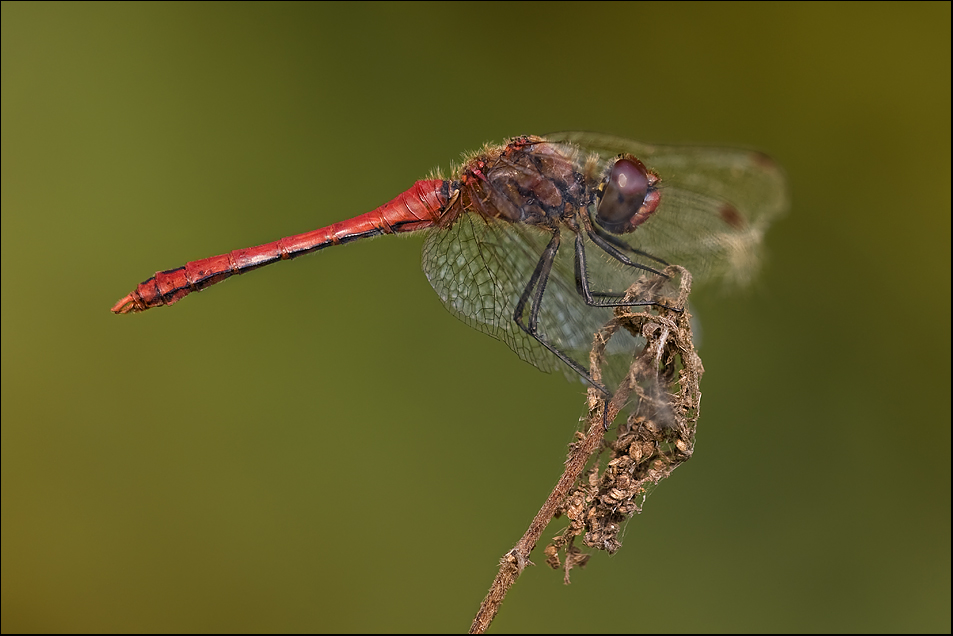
(529, 180)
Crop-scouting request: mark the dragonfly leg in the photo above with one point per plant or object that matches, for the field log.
(613, 251)
(533, 294)
(618, 243)
(598, 298)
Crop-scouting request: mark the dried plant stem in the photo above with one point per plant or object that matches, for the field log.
(664, 331)
(514, 561)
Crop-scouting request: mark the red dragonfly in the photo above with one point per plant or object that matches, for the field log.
(535, 241)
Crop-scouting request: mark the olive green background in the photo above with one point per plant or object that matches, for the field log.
(320, 446)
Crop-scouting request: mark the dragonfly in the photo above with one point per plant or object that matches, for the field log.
(535, 241)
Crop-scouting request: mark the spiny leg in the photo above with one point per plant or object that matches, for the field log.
(619, 243)
(597, 298)
(536, 287)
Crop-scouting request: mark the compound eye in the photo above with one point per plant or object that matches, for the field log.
(623, 196)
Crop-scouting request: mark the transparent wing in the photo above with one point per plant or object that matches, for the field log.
(716, 203)
(480, 268)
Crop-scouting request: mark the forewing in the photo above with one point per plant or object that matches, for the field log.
(716, 203)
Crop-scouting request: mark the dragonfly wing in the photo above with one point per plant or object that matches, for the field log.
(480, 268)
(716, 203)
(477, 269)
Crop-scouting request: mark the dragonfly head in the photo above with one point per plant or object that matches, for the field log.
(629, 196)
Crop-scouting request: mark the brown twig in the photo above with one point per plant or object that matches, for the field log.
(667, 334)
(514, 561)
(657, 437)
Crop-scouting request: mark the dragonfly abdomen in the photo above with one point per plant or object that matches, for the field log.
(417, 208)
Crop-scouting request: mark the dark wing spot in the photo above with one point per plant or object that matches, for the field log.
(730, 215)
(762, 160)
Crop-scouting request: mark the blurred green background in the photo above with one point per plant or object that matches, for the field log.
(320, 446)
